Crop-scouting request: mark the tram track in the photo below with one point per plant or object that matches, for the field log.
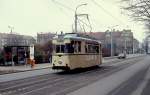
(87, 81)
(66, 82)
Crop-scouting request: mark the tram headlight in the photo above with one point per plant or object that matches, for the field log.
(59, 62)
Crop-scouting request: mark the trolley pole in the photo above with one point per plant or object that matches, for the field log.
(75, 21)
(76, 18)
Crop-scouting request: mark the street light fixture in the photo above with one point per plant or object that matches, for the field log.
(75, 21)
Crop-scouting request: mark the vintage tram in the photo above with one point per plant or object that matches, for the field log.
(73, 50)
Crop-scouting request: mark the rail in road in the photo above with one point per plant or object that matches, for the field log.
(31, 73)
(60, 83)
(133, 80)
(17, 69)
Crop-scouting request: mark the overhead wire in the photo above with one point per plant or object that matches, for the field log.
(89, 24)
(54, 1)
(107, 12)
(65, 6)
(81, 26)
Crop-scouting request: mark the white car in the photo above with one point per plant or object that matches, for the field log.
(122, 56)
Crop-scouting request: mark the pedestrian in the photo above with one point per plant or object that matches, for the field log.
(32, 62)
(50, 59)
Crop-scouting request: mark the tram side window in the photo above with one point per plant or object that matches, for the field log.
(86, 48)
(77, 46)
(69, 48)
(97, 49)
(90, 48)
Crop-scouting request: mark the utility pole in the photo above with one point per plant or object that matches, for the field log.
(133, 45)
(111, 39)
(11, 29)
(10, 43)
(125, 43)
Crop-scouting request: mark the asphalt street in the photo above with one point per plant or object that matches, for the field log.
(37, 72)
(119, 77)
(123, 82)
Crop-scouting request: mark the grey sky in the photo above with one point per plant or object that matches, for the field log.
(31, 16)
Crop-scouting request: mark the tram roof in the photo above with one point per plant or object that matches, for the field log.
(76, 36)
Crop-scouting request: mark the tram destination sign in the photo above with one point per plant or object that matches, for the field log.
(60, 38)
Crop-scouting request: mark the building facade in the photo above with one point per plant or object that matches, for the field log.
(136, 46)
(15, 40)
(118, 41)
(42, 38)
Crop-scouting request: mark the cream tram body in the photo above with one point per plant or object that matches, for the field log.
(72, 51)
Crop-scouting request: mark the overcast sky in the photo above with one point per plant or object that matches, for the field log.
(31, 16)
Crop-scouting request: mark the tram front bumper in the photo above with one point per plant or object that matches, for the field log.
(61, 67)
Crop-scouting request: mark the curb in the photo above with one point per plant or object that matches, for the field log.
(18, 71)
(25, 70)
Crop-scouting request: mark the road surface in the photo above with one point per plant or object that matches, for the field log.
(119, 77)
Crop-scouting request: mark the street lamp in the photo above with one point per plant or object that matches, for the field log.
(125, 42)
(10, 43)
(75, 21)
(111, 38)
(11, 28)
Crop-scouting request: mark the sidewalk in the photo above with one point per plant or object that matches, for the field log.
(25, 67)
(10, 69)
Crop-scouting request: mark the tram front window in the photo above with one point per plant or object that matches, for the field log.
(68, 48)
(60, 48)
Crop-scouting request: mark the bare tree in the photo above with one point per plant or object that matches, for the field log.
(139, 10)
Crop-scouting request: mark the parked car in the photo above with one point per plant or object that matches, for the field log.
(122, 56)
